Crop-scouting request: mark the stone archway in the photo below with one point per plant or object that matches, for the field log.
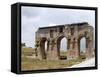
(42, 46)
(82, 47)
(88, 35)
(82, 53)
(73, 33)
(59, 46)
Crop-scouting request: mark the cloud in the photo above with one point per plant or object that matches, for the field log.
(30, 12)
(35, 17)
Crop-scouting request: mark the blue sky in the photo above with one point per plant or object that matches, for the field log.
(35, 17)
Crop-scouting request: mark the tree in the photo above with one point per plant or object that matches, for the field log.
(23, 44)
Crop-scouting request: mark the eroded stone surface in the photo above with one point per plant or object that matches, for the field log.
(53, 35)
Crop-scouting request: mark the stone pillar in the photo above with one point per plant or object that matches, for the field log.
(73, 51)
(52, 52)
(68, 47)
(68, 44)
(89, 48)
(70, 51)
(38, 50)
(42, 47)
(76, 48)
(89, 43)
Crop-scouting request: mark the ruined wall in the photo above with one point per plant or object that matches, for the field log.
(53, 35)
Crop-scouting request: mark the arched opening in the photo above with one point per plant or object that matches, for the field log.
(62, 48)
(82, 47)
(44, 47)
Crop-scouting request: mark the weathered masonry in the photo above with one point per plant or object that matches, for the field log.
(72, 32)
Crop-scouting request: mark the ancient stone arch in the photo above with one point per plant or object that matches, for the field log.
(72, 32)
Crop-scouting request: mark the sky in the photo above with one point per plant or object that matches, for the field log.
(34, 17)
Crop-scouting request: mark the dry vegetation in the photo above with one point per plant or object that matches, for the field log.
(35, 64)
(28, 51)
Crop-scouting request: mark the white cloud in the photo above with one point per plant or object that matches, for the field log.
(35, 17)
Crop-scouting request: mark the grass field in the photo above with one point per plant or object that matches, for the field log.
(35, 64)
